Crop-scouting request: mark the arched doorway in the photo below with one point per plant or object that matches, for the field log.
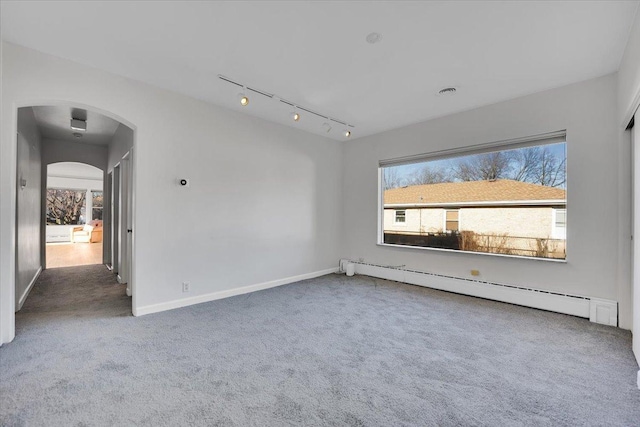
(65, 147)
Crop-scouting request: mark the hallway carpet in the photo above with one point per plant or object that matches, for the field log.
(328, 351)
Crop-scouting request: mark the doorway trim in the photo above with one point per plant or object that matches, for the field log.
(8, 279)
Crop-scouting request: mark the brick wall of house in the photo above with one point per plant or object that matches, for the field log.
(514, 221)
(417, 220)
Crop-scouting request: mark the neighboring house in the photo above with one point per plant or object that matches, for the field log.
(522, 212)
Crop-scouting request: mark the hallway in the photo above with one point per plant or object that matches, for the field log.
(89, 291)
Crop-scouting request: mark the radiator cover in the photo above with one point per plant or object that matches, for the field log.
(595, 309)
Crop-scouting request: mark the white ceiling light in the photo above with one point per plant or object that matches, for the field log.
(77, 124)
(374, 38)
(295, 115)
(243, 98)
(347, 133)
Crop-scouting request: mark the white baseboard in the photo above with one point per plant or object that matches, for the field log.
(184, 302)
(25, 294)
(596, 309)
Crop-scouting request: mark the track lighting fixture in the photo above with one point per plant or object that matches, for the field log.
(243, 98)
(295, 115)
(327, 125)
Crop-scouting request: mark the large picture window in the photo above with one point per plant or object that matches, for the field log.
(508, 199)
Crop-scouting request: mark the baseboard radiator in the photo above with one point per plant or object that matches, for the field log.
(595, 309)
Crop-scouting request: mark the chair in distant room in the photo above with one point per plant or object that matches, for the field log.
(88, 233)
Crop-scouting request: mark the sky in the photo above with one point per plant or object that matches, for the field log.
(405, 172)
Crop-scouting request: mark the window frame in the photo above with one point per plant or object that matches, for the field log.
(93, 207)
(503, 145)
(558, 232)
(444, 225)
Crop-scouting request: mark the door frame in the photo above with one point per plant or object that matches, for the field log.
(8, 275)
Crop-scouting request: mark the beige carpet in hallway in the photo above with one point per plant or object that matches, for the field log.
(71, 254)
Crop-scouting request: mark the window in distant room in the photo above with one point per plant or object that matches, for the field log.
(97, 205)
(512, 198)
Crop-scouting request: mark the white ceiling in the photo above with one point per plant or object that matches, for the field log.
(55, 123)
(315, 53)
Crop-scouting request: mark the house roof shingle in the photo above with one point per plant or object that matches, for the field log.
(502, 190)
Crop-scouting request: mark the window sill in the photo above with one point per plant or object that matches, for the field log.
(554, 260)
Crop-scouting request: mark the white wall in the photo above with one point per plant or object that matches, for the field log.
(120, 145)
(587, 111)
(56, 150)
(629, 75)
(264, 202)
(28, 253)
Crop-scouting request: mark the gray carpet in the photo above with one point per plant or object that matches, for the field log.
(328, 351)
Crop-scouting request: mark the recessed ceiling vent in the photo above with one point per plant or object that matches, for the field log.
(447, 91)
(374, 38)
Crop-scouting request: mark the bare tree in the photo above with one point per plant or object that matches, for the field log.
(552, 171)
(539, 165)
(64, 206)
(429, 175)
(487, 166)
(526, 163)
(391, 178)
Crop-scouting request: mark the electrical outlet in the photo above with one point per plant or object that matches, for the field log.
(185, 286)
(475, 272)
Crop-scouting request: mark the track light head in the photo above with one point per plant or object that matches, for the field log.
(243, 98)
(295, 115)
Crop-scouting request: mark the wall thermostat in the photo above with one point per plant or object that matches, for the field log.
(184, 182)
